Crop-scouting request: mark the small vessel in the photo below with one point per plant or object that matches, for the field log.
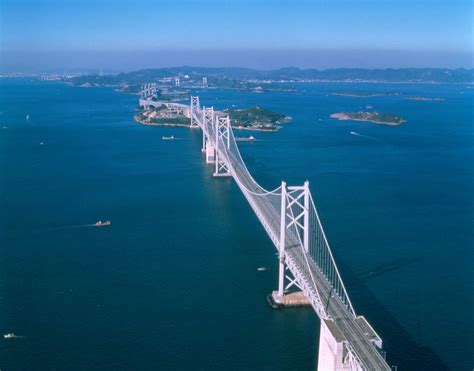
(167, 138)
(9, 336)
(27, 117)
(261, 269)
(245, 139)
(100, 223)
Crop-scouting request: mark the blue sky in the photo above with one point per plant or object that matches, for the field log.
(252, 33)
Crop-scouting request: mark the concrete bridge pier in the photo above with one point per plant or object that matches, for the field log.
(334, 353)
(210, 152)
(204, 140)
(331, 348)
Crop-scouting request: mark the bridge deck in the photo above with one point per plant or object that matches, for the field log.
(314, 284)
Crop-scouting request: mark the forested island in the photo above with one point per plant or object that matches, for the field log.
(256, 118)
(253, 118)
(373, 117)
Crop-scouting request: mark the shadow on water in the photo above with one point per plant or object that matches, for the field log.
(392, 266)
(402, 349)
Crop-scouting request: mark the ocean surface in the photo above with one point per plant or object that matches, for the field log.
(173, 284)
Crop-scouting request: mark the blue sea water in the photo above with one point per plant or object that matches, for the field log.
(173, 284)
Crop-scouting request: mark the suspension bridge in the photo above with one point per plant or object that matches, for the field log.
(289, 216)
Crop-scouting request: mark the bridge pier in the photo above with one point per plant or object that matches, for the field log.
(210, 152)
(203, 142)
(334, 352)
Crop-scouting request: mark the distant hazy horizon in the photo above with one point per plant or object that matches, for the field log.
(115, 62)
(124, 35)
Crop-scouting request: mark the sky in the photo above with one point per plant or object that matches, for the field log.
(121, 35)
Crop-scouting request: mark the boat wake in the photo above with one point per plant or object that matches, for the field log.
(363, 136)
(76, 226)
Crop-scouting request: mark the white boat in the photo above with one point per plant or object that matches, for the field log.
(100, 223)
(167, 138)
(261, 269)
(10, 336)
(245, 139)
(27, 117)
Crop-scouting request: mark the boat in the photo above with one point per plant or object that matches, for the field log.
(27, 117)
(245, 139)
(261, 269)
(167, 138)
(9, 336)
(100, 223)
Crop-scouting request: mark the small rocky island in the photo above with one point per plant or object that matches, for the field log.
(373, 117)
(427, 99)
(365, 95)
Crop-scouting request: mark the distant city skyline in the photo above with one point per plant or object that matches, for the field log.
(47, 35)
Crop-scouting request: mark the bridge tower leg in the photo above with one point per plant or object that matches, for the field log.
(195, 108)
(277, 297)
(281, 255)
(222, 133)
(208, 121)
(306, 216)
